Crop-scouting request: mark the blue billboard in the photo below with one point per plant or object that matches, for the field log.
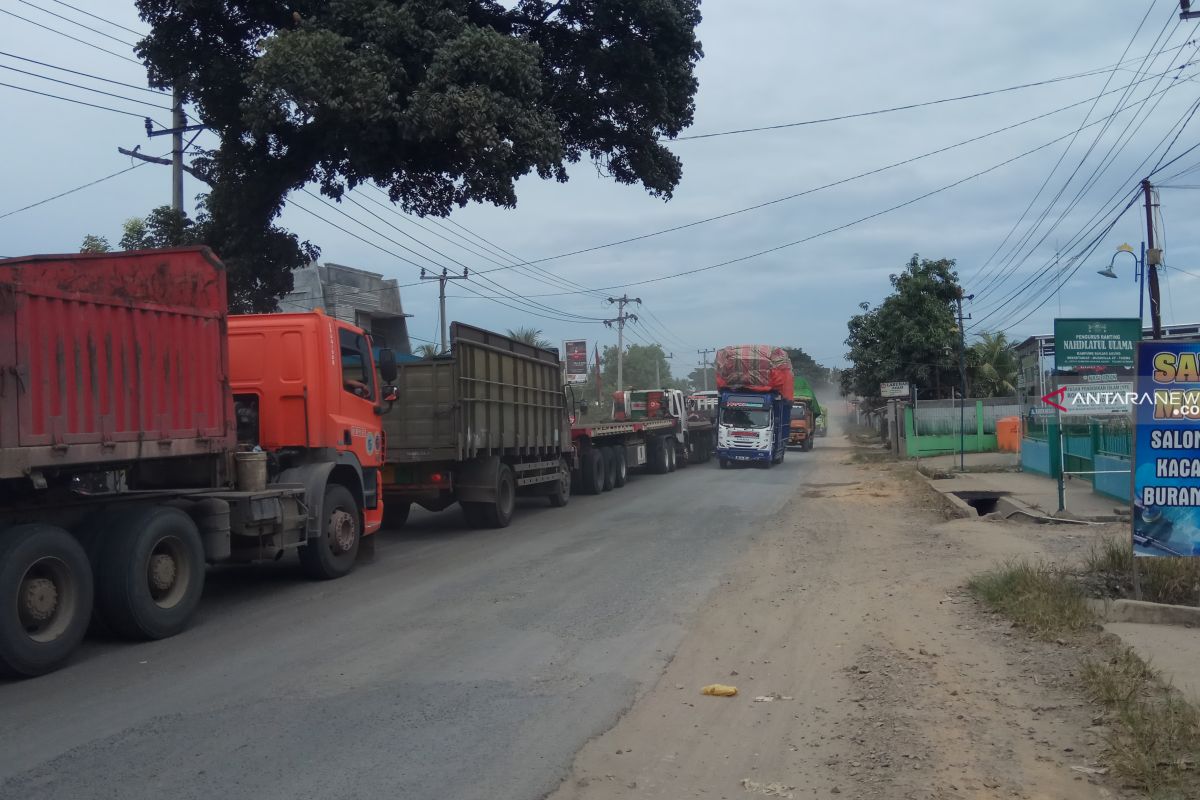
(1166, 451)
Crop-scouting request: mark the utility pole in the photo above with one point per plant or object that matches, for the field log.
(657, 364)
(177, 123)
(962, 369)
(704, 364)
(441, 279)
(621, 319)
(178, 128)
(1152, 260)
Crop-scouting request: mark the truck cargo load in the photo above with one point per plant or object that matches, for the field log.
(755, 368)
(802, 389)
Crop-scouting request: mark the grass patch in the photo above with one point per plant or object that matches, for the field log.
(1041, 598)
(1109, 566)
(1154, 742)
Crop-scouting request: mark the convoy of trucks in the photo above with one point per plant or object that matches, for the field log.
(146, 433)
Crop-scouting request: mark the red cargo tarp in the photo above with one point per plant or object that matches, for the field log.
(756, 367)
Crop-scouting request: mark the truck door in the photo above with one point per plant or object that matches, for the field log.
(359, 426)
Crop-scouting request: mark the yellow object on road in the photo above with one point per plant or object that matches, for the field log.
(719, 690)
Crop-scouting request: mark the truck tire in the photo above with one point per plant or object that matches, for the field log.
(45, 599)
(150, 572)
(622, 476)
(499, 513)
(332, 553)
(610, 468)
(661, 458)
(592, 472)
(672, 454)
(724, 463)
(562, 490)
(395, 514)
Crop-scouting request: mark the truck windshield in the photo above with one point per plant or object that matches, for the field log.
(745, 417)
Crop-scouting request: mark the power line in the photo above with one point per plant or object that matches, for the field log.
(101, 19)
(72, 100)
(841, 227)
(977, 275)
(71, 191)
(69, 36)
(80, 24)
(86, 88)
(830, 185)
(1044, 274)
(1000, 278)
(84, 74)
(890, 109)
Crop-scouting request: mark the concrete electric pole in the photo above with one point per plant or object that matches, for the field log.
(704, 364)
(622, 317)
(441, 279)
(962, 369)
(1153, 259)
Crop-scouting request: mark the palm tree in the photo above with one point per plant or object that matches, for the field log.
(530, 336)
(993, 366)
(428, 351)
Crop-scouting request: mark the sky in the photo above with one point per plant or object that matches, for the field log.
(766, 62)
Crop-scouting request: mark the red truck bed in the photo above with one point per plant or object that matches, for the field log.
(112, 358)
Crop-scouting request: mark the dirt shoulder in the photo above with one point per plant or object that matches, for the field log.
(883, 678)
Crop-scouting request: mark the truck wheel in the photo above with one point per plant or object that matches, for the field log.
(610, 467)
(332, 553)
(592, 472)
(45, 598)
(499, 513)
(150, 573)
(562, 490)
(672, 454)
(662, 457)
(395, 514)
(724, 463)
(622, 476)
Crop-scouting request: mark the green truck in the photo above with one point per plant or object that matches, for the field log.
(807, 416)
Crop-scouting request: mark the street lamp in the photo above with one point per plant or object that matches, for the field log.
(1139, 272)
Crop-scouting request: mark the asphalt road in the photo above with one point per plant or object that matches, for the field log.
(458, 664)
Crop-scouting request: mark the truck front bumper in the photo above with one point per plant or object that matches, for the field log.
(737, 454)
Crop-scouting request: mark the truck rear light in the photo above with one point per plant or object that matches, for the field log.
(437, 477)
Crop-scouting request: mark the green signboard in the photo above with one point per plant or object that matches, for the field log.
(1095, 343)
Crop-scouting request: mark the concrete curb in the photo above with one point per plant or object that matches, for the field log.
(956, 504)
(1145, 613)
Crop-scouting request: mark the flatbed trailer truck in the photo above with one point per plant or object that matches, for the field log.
(605, 452)
(144, 433)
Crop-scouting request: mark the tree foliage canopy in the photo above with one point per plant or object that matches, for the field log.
(439, 102)
(911, 336)
(992, 366)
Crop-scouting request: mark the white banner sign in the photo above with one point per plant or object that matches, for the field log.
(894, 389)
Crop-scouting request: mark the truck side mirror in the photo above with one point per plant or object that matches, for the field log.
(387, 365)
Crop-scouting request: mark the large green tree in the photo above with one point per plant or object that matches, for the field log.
(439, 102)
(638, 368)
(911, 336)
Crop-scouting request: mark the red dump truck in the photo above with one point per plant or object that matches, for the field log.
(144, 433)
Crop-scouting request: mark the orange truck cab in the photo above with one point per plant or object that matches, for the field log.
(306, 392)
(801, 430)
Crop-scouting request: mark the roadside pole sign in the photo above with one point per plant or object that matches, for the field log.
(575, 358)
(1091, 343)
(1166, 449)
(894, 389)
